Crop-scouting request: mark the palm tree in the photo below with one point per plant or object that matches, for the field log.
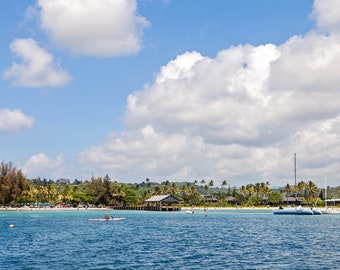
(265, 190)
(51, 192)
(302, 187)
(65, 195)
(29, 194)
(194, 196)
(202, 182)
(312, 189)
(250, 189)
(224, 184)
(165, 188)
(146, 194)
(257, 189)
(287, 190)
(156, 190)
(174, 189)
(243, 190)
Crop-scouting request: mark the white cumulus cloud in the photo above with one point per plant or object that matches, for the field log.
(239, 116)
(103, 28)
(40, 165)
(326, 13)
(143, 150)
(12, 121)
(38, 67)
(223, 99)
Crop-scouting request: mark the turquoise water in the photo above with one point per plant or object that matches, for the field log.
(173, 240)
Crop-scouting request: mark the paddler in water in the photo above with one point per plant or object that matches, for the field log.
(107, 216)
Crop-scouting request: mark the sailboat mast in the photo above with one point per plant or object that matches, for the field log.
(325, 190)
(295, 168)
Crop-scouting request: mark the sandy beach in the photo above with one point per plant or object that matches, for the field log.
(227, 208)
(53, 209)
(110, 209)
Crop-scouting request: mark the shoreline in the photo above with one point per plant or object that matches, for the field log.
(53, 209)
(231, 208)
(226, 208)
(110, 209)
(269, 208)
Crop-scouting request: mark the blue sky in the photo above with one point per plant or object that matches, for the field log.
(171, 90)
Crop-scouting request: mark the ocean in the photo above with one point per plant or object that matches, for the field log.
(215, 239)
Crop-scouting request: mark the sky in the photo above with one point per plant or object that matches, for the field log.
(171, 90)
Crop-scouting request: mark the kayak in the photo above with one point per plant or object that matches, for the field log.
(106, 219)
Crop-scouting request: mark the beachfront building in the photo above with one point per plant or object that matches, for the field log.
(163, 203)
(291, 200)
(209, 199)
(63, 181)
(230, 199)
(332, 202)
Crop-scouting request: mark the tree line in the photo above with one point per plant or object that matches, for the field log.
(16, 189)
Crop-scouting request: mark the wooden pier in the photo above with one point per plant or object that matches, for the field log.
(155, 203)
(147, 208)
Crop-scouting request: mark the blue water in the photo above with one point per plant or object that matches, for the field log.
(168, 240)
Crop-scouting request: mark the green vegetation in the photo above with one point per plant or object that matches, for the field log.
(16, 189)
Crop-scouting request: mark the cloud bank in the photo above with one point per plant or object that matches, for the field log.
(239, 116)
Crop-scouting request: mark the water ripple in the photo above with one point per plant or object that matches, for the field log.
(151, 240)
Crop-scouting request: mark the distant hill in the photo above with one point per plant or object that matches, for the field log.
(333, 192)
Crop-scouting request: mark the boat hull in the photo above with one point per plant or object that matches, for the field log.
(317, 212)
(293, 211)
(106, 219)
(330, 212)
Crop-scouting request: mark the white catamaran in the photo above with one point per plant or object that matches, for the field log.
(296, 210)
(328, 210)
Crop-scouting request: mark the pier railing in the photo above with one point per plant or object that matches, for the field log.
(147, 208)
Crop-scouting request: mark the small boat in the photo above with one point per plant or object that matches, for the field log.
(316, 211)
(190, 212)
(330, 211)
(296, 210)
(106, 219)
(293, 211)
